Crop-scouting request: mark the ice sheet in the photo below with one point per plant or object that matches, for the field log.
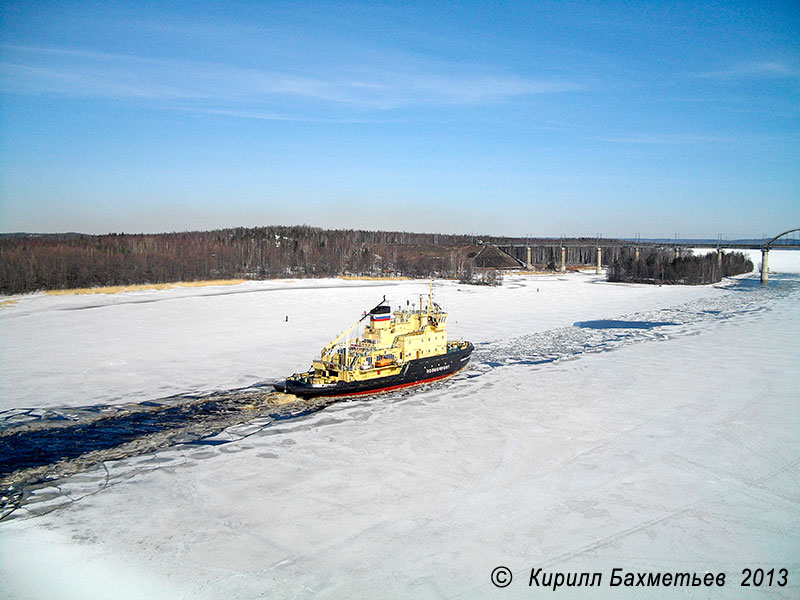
(779, 261)
(84, 350)
(653, 449)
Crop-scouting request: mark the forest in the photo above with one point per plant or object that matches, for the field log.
(657, 265)
(32, 262)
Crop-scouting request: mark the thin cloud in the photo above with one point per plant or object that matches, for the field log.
(261, 115)
(663, 139)
(93, 74)
(753, 70)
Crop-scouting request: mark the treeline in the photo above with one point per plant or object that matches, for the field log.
(661, 266)
(39, 262)
(31, 262)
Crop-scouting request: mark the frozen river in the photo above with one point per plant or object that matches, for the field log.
(599, 426)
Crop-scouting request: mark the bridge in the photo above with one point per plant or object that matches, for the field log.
(765, 252)
(579, 248)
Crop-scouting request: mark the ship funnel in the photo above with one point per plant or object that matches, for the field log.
(380, 317)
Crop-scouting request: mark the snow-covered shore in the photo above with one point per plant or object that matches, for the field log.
(674, 452)
(780, 261)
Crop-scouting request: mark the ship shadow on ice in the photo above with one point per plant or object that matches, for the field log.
(604, 335)
(617, 324)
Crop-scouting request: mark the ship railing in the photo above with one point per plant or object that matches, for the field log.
(300, 377)
(456, 346)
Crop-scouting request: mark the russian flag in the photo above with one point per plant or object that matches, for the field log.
(380, 313)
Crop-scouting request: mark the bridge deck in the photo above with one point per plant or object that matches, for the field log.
(789, 245)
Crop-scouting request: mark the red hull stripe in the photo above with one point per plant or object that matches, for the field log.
(392, 387)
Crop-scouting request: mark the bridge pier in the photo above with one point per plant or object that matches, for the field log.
(563, 259)
(677, 252)
(528, 262)
(764, 265)
(599, 260)
(719, 260)
(636, 253)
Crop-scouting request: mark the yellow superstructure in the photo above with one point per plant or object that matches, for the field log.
(388, 342)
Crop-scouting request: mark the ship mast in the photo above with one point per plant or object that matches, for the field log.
(346, 332)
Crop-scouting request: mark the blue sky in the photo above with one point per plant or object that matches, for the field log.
(537, 118)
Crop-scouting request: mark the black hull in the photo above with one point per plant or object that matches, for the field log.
(421, 370)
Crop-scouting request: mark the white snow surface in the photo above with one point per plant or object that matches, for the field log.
(677, 451)
(118, 348)
(779, 261)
